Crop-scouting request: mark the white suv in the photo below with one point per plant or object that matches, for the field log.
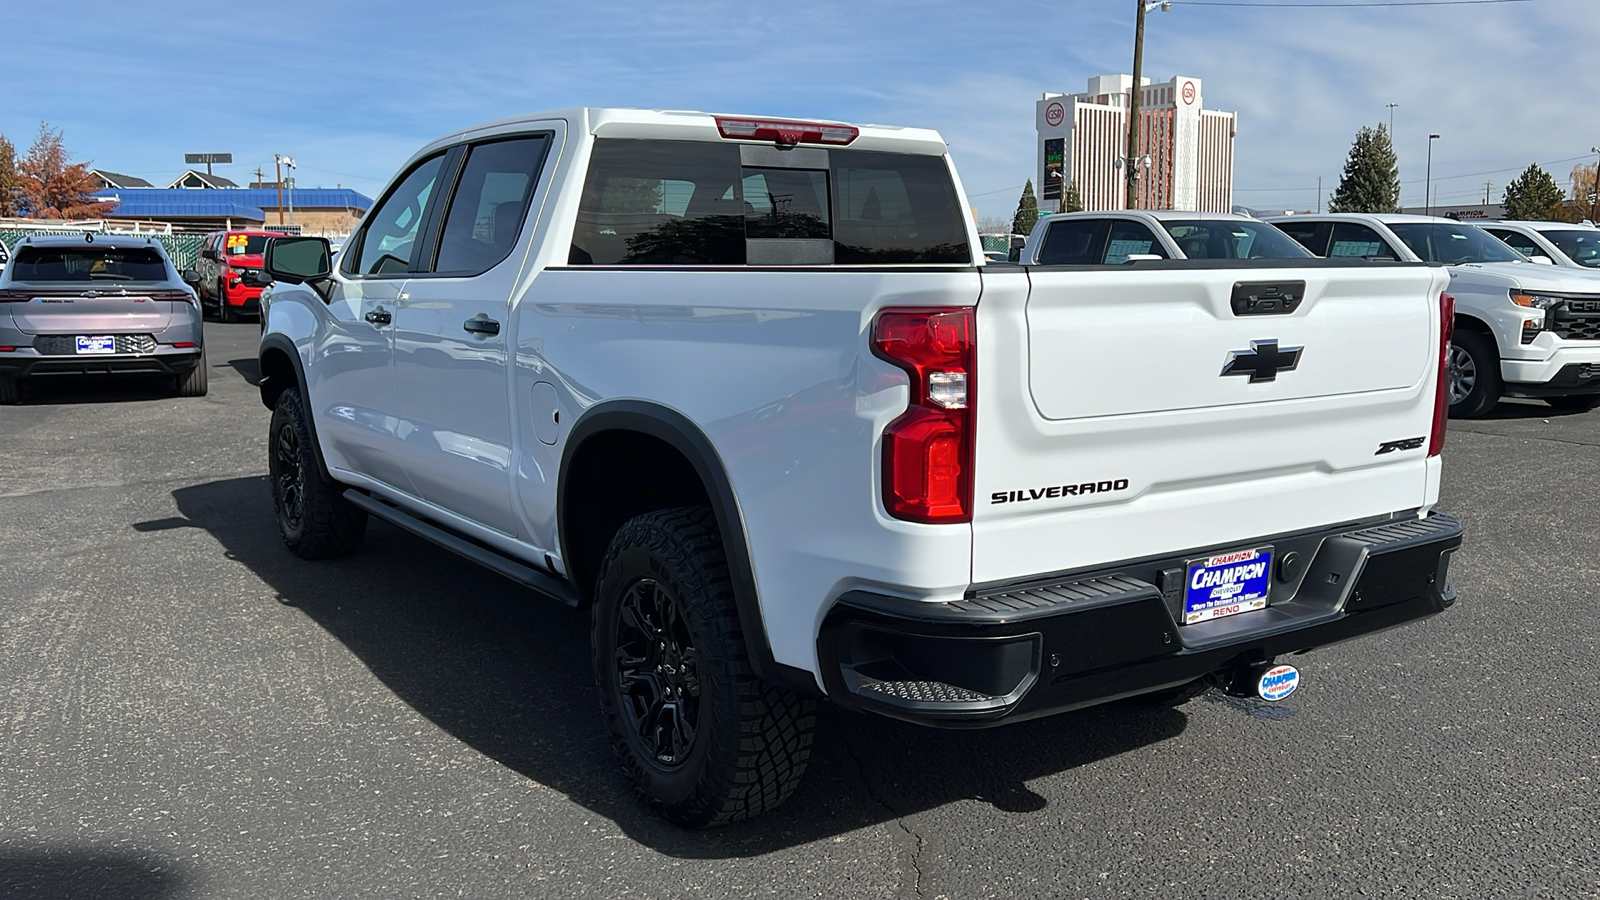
(1521, 330)
(746, 391)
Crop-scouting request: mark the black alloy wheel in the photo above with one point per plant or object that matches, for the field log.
(657, 672)
(314, 518)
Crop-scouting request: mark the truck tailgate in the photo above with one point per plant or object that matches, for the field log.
(1136, 411)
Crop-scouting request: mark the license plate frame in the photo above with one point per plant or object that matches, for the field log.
(96, 344)
(1211, 591)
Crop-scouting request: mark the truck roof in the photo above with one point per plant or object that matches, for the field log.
(694, 125)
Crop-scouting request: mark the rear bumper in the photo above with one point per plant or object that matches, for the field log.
(1019, 652)
(168, 362)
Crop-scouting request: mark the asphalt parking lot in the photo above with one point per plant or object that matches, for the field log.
(190, 712)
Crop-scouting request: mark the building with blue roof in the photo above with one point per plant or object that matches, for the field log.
(314, 210)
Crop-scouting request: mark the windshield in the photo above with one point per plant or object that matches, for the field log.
(1582, 246)
(1232, 239)
(88, 264)
(1452, 244)
(247, 244)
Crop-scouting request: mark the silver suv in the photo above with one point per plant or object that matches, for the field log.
(97, 304)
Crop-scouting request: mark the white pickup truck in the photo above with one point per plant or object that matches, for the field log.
(1521, 330)
(746, 390)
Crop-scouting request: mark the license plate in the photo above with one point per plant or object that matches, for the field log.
(1226, 585)
(97, 344)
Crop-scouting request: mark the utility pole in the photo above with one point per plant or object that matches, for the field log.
(1487, 186)
(1131, 162)
(277, 164)
(1319, 195)
(1131, 166)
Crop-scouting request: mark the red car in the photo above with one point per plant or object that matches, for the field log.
(219, 269)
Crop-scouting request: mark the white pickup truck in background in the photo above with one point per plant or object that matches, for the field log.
(1521, 330)
(746, 391)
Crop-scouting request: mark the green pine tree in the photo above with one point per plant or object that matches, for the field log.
(1534, 196)
(1371, 179)
(1074, 199)
(1027, 211)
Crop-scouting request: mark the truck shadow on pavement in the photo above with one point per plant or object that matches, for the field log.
(71, 874)
(508, 673)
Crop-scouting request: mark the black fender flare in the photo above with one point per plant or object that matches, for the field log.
(280, 343)
(682, 434)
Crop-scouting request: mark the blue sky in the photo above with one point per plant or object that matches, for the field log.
(350, 89)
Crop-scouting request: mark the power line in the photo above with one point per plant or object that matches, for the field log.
(1346, 5)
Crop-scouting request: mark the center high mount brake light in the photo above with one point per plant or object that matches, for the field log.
(786, 133)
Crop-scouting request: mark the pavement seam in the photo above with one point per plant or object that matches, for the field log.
(151, 482)
(1519, 437)
(899, 820)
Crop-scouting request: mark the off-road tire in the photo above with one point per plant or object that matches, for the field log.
(1484, 359)
(750, 740)
(194, 383)
(10, 390)
(315, 520)
(1574, 402)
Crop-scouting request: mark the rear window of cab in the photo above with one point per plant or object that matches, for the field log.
(693, 203)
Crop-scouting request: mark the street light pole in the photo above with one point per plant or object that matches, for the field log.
(1131, 161)
(1391, 120)
(1594, 204)
(1427, 184)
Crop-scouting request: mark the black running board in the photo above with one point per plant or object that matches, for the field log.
(542, 581)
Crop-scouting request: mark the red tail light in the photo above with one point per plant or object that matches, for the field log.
(786, 133)
(1441, 396)
(927, 452)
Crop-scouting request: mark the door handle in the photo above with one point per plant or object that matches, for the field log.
(481, 324)
(379, 316)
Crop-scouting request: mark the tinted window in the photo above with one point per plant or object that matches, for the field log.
(786, 203)
(1304, 234)
(1073, 242)
(388, 243)
(1582, 246)
(660, 203)
(1518, 242)
(1232, 239)
(1130, 238)
(88, 263)
(490, 201)
(1452, 244)
(896, 208)
(1351, 239)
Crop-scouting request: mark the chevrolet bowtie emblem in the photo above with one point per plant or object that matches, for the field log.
(1263, 361)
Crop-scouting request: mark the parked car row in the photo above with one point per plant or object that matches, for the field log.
(1527, 294)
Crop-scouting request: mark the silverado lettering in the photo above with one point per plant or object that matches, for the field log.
(1061, 490)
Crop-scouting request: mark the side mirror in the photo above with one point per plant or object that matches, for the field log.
(255, 278)
(190, 276)
(208, 254)
(1542, 260)
(298, 260)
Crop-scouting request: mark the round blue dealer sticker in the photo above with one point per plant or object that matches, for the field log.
(1278, 682)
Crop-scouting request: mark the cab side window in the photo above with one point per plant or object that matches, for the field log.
(1074, 242)
(1129, 239)
(489, 204)
(660, 203)
(1305, 234)
(387, 244)
(1353, 240)
(1518, 242)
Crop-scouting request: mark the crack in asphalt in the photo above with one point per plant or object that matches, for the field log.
(1549, 440)
(899, 820)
